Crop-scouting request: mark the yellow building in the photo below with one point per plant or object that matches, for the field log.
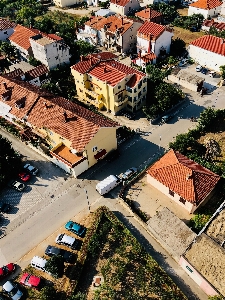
(108, 84)
(77, 137)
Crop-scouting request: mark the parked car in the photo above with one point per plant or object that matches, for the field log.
(7, 270)
(67, 255)
(17, 185)
(24, 176)
(31, 280)
(204, 71)
(11, 288)
(66, 240)
(32, 170)
(38, 263)
(5, 207)
(183, 62)
(198, 68)
(166, 118)
(75, 228)
(129, 173)
(212, 73)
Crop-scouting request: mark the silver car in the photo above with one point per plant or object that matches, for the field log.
(12, 290)
(129, 173)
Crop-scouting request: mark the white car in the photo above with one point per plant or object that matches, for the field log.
(129, 173)
(66, 240)
(32, 170)
(17, 185)
(198, 68)
(212, 73)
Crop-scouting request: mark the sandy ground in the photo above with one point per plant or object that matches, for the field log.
(75, 11)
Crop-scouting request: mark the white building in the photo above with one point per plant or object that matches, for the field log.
(124, 7)
(208, 8)
(6, 29)
(208, 51)
(65, 3)
(152, 37)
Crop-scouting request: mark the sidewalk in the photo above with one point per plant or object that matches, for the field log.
(139, 230)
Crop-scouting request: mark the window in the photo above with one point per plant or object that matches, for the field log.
(171, 193)
(139, 95)
(5, 32)
(140, 84)
(130, 37)
(182, 200)
(81, 90)
(135, 98)
(189, 269)
(119, 87)
(135, 90)
(94, 148)
(144, 89)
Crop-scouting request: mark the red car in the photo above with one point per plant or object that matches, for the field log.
(30, 280)
(6, 270)
(24, 176)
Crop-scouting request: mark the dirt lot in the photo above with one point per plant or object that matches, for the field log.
(186, 35)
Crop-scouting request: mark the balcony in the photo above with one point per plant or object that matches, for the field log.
(93, 97)
(121, 101)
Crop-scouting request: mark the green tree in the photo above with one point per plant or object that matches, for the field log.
(184, 143)
(8, 50)
(222, 69)
(78, 296)
(84, 48)
(168, 11)
(207, 118)
(48, 293)
(216, 297)
(177, 47)
(55, 265)
(9, 161)
(33, 61)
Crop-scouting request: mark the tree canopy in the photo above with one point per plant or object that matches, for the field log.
(177, 47)
(168, 11)
(189, 22)
(55, 265)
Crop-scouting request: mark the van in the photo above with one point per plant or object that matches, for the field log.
(108, 184)
(38, 263)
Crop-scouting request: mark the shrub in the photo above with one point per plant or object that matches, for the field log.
(55, 265)
(48, 293)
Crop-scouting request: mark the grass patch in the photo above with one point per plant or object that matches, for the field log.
(186, 35)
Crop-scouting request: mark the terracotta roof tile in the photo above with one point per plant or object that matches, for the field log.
(81, 126)
(5, 24)
(146, 57)
(120, 2)
(22, 35)
(206, 4)
(151, 29)
(210, 43)
(17, 73)
(36, 72)
(218, 25)
(148, 13)
(184, 177)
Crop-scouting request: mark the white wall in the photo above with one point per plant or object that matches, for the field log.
(4, 34)
(117, 8)
(64, 3)
(206, 58)
(206, 13)
(77, 170)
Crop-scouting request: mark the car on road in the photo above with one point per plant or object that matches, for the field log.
(204, 71)
(67, 255)
(129, 173)
(66, 240)
(75, 228)
(32, 170)
(30, 280)
(39, 263)
(5, 207)
(7, 270)
(198, 68)
(17, 185)
(212, 73)
(24, 176)
(166, 118)
(12, 290)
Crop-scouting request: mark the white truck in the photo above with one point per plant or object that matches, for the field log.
(108, 184)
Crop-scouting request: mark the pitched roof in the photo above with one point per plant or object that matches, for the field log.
(5, 24)
(210, 43)
(120, 2)
(218, 25)
(151, 30)
(148, 13)
(81, 126)
(36, 72)
(146, 57)
(206, 4)
(110, 70)
(184, 177)
(112, 23)
(22, 35)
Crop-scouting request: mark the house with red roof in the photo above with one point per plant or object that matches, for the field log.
(6, 29)
(49, 49)
(124, 7)
(207, 24)
(182, 180)
(108, 84)
(77, 137)
(208, 8)
(143, 60)
(150, 15)
(155, 38)
(208, 51)
(114, 32)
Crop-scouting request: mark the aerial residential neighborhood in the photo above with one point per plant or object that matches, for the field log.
(112, 138)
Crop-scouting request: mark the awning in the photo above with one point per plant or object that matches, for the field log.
(100, 154)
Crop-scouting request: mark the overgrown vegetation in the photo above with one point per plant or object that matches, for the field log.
(193, 22)
(168, 11)
(55, 266)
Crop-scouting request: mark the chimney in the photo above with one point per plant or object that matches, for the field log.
(65, 116)
(81, 58)
(104, 69)
(46, 106)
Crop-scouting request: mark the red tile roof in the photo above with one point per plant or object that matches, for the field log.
(36, 72)
(184, 177)
(5, 24)
(111, 71)
(81, 126)
(146, 57)
(120, 2)
(219, 26)
(150, 29)
(22, 35)
(148, 13)
(210, 43)
(206, 4)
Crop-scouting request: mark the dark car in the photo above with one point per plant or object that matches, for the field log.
(5, 207)
(204, 71)
(67, 255)
(75, 228)
(7, 270)
(166, 118)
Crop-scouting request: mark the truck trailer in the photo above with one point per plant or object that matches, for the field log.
(108, 184)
